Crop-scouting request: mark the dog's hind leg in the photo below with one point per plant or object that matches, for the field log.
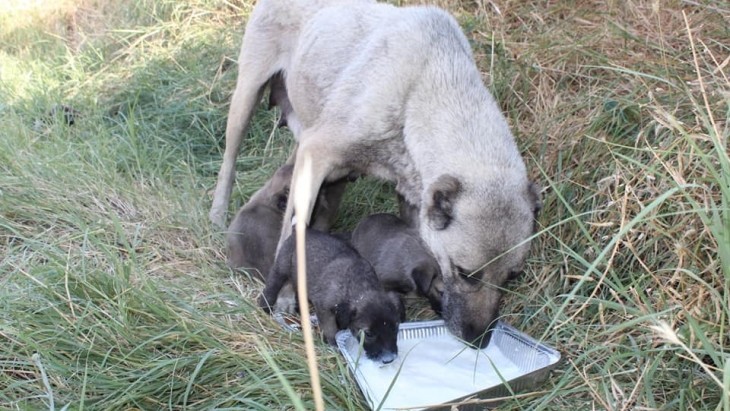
(322, 163)
(328, 201)
(257, 63)
(315, 162)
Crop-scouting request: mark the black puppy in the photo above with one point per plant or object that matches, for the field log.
(344, 291)
(401, 261)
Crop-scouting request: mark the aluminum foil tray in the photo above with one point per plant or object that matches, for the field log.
(434, 369)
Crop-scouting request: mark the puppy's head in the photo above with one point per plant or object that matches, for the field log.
(373, 316)
(429, 283)
(479, 232)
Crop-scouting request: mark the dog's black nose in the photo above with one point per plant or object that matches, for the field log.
(476, 338)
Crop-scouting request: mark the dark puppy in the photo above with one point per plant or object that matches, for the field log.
(254, 232)
(343, 290)
(401, 261)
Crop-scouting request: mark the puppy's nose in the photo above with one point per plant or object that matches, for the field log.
(388, 357)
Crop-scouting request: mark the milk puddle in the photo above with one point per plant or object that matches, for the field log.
(434, 371)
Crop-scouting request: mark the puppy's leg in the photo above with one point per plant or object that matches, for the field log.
(256, 64)
(408, 212)
(328, 325)
(274, 284)
(278, 278)
(287, 299)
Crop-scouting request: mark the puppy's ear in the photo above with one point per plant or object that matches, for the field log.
(533, 192)
(442, 197)
(400, 307)
(423, 276)
(344, 315)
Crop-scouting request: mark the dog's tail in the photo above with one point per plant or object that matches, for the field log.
(302, 199)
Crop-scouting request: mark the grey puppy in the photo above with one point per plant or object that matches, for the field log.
(253, 234)
(400, 259)
(395, 93)
(344, 291)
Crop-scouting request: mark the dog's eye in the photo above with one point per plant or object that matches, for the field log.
(368, 334)
(513, 275)
(467, 275)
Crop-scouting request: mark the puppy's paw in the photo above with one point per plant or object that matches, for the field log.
(264, 304)
(330, 339)
(286, 304)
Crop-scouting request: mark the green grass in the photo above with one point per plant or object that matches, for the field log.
(113, 289)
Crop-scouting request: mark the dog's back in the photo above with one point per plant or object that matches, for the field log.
(252, 239)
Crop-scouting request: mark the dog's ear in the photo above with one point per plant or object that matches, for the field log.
(533, 192)
(442, 197)
(344, 314)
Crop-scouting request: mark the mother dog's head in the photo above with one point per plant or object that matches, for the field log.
(479, 232)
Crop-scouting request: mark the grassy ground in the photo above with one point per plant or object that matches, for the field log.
(113, 289)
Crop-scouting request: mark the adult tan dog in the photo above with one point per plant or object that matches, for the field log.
(394, 93)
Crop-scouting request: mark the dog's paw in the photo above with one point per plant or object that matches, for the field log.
(217, 218)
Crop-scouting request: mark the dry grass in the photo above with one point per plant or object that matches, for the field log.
(112, 275)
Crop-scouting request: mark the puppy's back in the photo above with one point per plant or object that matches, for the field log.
(324, 250)
(252, 238)
(401, 261)
(393, 248)
(254, 232)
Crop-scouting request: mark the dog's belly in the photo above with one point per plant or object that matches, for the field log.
(390, 160)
